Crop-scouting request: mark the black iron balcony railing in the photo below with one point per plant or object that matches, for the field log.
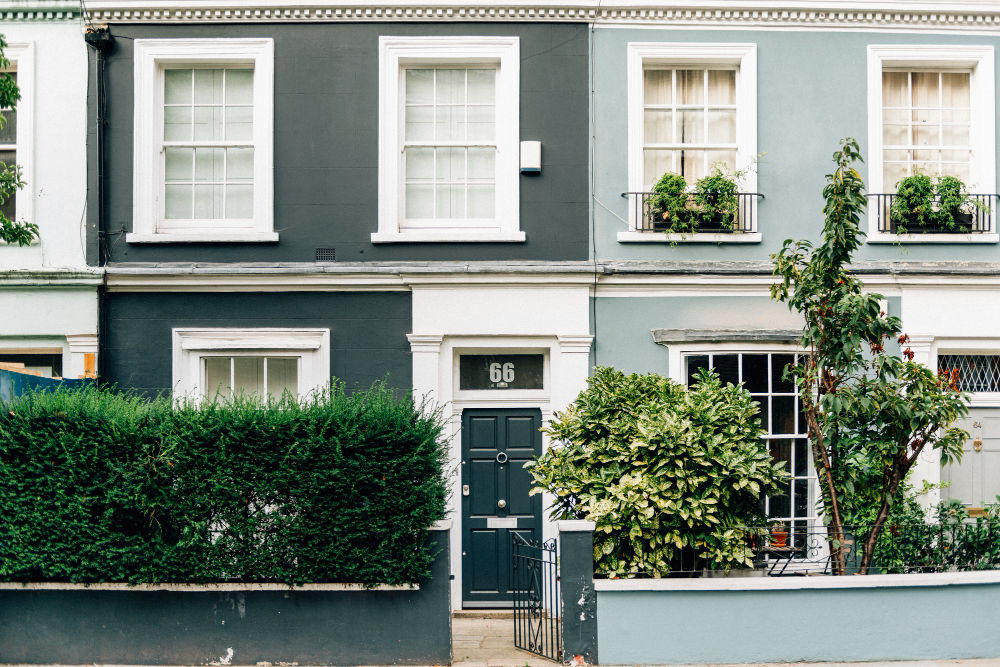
(649, 217)
(806, 548)
(975, 217)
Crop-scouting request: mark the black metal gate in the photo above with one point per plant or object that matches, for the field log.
(535, 583)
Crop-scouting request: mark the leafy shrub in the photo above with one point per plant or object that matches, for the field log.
(103, 486)
(935, 204)
(660, 469)
(669, 202)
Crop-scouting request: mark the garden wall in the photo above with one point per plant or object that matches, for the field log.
(799, 619)
(230, 624)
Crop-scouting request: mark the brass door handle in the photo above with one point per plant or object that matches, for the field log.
(977, 444)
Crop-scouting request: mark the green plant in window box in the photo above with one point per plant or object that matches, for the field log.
(711, 205)
(716, 198)
(11, 180)
(941, 206)
(669, 203)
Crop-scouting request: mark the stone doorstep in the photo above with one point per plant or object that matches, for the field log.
(483, 613)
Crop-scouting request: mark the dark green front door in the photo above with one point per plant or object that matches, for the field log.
(495, 502)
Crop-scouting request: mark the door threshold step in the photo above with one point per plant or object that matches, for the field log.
(483, 613)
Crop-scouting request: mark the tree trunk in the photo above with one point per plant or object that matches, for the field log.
(898, 474)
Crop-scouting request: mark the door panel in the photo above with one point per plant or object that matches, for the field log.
(976, 480)
(495, 446)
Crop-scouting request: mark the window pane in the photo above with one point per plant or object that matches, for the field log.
(482, 201)
(450, 123)
(780, 503)
(208, 86)
(692, 165)
(207, 202)
(419, 201)
(7, 159)
(450, 86)
(722, 127)
(207, 123)
(239, 86)
(724, 159)
(482, 86)
(179, 164)
(726, 365)
(282, 376)
(178, 202)
(691, 86)
(239, 123)
(955, 90)
(482, 123)
(955, 135)
(894, 173)
(924, 89)
(449, 201)
(656, 162)
(801, 497)
(721, 86)
(419, 86)
(783, 418)
(482, 163)
(896, 135)
(419, 123)
(177, 124)
(239, 163)
(755, 373)
(248, 374)
(781, 450)
(450, 164)
(208, 164)
(239, 202)
(658, 84)
(691, 127)
(8, 133)
(895, 89)
(217, 377)
(778, 364)
(420, 163)
(177, 86)
(801, 458)
(764, 403)
(658, 126)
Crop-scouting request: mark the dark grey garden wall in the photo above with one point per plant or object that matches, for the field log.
(123, 627)
(326, 143)
(367, 330)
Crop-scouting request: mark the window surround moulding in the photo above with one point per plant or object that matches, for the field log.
(311, 345)
(980, 60)
(149, 56)
(394, 52)
(22, 56)
(743, 56)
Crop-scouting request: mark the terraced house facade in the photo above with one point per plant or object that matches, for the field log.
(456, 197)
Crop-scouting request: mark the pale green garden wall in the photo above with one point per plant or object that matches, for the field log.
(807, 625)
(811, 92)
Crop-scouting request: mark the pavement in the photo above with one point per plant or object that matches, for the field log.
(486, 639)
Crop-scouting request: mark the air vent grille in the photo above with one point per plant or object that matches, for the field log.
(326, 254)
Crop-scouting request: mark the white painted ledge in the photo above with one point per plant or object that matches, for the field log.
(214, 237)
(196, 588)
(663, 237)
(576, 526)
(443, 524)
(800, 582)
(934, 238)
(449, 236)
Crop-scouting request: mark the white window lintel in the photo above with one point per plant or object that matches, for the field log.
(694, 54)
(394, 52)
(150, 56)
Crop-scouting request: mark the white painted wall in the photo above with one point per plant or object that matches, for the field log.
(57, 182)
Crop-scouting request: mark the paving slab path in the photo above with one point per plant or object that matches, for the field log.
(486, 639)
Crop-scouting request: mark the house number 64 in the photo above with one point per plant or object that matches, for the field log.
(504, 373)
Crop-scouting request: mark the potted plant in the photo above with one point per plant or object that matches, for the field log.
(913, 204)
(716, 198)
(669, 203)
(942, 206)
(954, 206)
(779, 536)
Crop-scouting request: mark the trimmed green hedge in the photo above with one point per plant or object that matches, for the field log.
(99, 486)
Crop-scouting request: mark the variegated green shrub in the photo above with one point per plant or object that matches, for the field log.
(661, 469)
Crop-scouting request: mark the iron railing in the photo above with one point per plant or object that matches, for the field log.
(807, 549)
(535, 584)
(648, 219)
(973, 218)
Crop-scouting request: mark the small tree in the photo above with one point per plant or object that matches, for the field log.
(860, 401)
(11, 179)
(661, 469)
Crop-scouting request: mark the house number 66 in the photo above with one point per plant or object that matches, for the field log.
(504, 373)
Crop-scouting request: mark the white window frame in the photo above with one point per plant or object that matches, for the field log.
(151, 56)
(982, 132)
(679, 55)
(191, 346)
(22, 57)
(394, 54)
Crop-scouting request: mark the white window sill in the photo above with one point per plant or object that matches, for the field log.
(934, 238)
(663, 237)
(203, 237)
(449, 236)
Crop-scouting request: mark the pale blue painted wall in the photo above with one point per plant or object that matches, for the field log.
(723, 627)
(811, 92)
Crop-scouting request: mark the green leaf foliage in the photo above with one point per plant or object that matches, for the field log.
(660, 468)
(99, 486)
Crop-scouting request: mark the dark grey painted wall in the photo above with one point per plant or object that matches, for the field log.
(367, 330)
(195, 628)
(326, 143)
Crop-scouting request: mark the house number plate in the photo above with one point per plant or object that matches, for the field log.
(501, 371)
(494, 522)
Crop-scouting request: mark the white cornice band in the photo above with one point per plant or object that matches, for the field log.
(974, 16)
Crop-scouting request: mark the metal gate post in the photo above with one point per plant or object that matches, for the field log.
(579, 601)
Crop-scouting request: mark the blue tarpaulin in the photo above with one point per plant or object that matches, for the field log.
(14, 384)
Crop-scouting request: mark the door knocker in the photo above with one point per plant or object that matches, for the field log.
(977, 444)
(504, 459)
